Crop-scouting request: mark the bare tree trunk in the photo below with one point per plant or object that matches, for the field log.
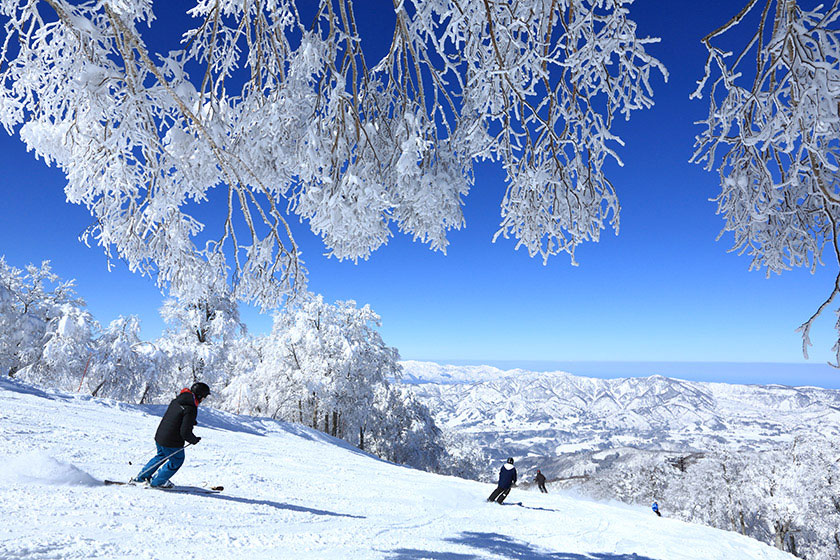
(781, 529)
(98, 387)
(361, 438)
(145, 394)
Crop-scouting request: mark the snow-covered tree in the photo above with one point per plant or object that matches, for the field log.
(204, 326)
(67, 351)
(319, 367)
(30, 301)
(124, 366)
(403, 431)
(240, 394)
(774, 113)
(714, 489)
(797, 496)
(786, 497)
(463, 456)
(326, 366)
(270, 109)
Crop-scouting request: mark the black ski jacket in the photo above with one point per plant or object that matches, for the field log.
(177, 423)
(540, 478)
(507, 476)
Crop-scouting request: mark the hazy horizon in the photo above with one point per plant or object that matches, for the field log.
(749, 373)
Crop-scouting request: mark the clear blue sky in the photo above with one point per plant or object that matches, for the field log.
(662, 291)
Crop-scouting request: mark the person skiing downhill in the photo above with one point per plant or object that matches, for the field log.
(174, 429)
(540, 480)
(655, 507)
(507, 477)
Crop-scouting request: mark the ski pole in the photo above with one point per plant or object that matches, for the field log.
(162, 461)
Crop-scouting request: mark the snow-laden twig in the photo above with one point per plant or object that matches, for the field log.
(780, 190)
(274, 117)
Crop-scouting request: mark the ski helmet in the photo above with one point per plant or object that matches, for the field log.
(200, 390)
(510, 460)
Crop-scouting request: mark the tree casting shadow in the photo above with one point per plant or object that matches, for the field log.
(504, 546)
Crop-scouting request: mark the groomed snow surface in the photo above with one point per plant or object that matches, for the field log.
(290, 492)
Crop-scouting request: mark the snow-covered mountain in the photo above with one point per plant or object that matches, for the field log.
(545, 416)
(290, 492)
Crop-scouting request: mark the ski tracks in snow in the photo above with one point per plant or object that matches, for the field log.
(289, 493)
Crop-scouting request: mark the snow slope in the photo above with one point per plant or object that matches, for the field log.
(290, 492)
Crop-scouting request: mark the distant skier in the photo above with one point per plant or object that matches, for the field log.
(655, 507)
(175, 427)
(540, 480)
(507, 477)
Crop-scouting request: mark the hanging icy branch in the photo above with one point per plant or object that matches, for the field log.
(265, 114)
(779, 173)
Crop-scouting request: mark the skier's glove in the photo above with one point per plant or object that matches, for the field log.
(197, 439)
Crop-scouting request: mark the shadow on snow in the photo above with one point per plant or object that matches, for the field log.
(278, 505)
(15, 386)
(503, 546)
(535, 508)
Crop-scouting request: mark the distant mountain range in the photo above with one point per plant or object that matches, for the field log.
(558, 418)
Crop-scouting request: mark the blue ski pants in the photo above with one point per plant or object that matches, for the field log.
(165, 469)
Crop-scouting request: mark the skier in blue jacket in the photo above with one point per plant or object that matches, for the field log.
(507, 477)
(655, 507)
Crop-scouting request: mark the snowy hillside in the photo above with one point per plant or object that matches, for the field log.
(544, 415)
(290, 492)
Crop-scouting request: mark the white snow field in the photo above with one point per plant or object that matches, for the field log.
(290, 492)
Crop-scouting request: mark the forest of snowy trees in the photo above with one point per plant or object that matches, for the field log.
(788, 497)
(323, 365)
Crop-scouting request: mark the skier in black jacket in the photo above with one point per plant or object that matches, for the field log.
(540, 480)
(507, 477)
(174, 429)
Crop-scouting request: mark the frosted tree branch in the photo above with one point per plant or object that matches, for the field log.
(780, 190)
(272, 117)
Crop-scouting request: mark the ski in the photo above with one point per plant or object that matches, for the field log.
(181, 489)
(189, 489)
